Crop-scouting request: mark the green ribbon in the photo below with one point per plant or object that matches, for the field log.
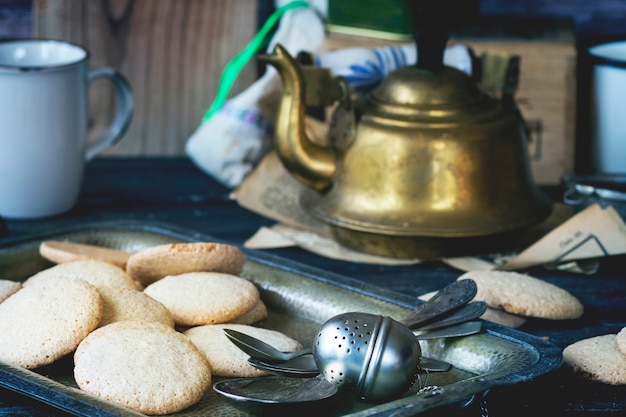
(232, 69)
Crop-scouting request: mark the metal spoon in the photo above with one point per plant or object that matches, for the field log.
(280, 396)
(267, 354)
(301, 367)
(468, 312)
(302, 364)
(449, 298)
(463, 329)
(258, 349)
(305, 366)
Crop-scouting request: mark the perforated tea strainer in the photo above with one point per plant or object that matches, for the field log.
(377, 356)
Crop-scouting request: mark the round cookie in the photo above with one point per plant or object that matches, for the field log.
(154, 263)
(145, 366)
(621, 340)
(503, 318)
(98, 273)
(225, 358)
(46, 320)
(258, 313)
(491, 314)
(524, 295)
(598, 359)
(8, 288)
(198, 298)
(122, 304)
(62, 251)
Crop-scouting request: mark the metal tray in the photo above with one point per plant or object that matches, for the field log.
(299, 298)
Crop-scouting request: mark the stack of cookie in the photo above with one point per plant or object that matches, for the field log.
(145, 329)
(600, 358)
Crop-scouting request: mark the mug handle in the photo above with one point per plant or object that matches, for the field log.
(123, 115)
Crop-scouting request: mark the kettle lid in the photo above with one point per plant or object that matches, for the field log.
(419, 94)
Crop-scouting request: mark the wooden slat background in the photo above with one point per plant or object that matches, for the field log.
(172, 52)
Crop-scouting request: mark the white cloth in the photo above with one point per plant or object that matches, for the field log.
(364, 68)
(233, 141)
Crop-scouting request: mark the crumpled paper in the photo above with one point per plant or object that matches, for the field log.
(573, 245)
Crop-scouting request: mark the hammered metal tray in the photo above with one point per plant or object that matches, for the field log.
(299, 298)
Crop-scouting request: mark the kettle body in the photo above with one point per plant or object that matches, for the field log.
(432, 159)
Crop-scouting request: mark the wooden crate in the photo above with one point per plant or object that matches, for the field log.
(171, 51)
(547, 91)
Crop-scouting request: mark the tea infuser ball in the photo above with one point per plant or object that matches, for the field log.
(376, 356)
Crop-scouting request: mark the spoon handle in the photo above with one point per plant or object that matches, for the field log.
(470, 311)
(464, 329)
(287, 370)
(258, 349)
(434, 365)
(447, 299)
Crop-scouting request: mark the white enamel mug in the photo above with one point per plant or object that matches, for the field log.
(608, 107)
(44, 138)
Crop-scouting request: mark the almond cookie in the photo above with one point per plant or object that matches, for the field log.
(225, 358)
(621, 340)
(154, 263)
(127, 304)
(8, 288)
(524, 295)
(61, 252)
(98, 273)
(198, 298)
(46, 320)
(145, 366)
(598, 359)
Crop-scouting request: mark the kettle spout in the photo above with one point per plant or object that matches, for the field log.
(309, 163)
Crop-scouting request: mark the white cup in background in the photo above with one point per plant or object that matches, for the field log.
(608, 107)
(44, 140)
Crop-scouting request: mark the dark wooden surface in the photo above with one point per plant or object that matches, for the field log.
(173, 191)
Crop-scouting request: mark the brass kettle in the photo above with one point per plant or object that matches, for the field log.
(429, 166)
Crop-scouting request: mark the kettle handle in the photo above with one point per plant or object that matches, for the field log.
(500, 79)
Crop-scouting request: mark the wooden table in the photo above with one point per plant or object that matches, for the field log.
(174, 191)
